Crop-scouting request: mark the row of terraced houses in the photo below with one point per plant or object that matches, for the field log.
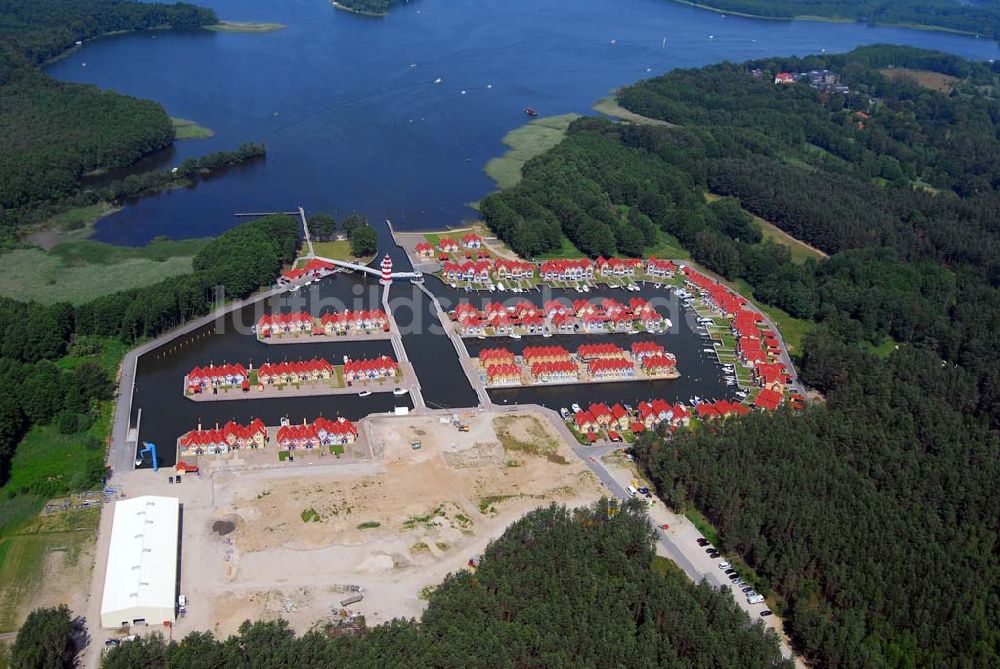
(557, 316)
(552, 364)
(328, 323)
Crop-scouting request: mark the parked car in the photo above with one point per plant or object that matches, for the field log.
(748, 589)
(729, 571)
(714, 554)
(664, 526)
(724, 565)
(111, 643)
(644, 490)
(755, 599)
(703, 541)
(733, 577)
(765, 612)
(711, 549)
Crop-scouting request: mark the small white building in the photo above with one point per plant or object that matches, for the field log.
(140, 586)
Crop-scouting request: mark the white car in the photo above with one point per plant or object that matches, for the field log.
(724, 565)
(756, 599)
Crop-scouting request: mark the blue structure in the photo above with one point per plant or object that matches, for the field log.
(151, 449)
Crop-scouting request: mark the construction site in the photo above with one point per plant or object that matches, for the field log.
(323, 542)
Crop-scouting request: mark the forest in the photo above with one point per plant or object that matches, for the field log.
(559, 588)
(873, 515)
(34, 337)
(53, 132)
(981, 17)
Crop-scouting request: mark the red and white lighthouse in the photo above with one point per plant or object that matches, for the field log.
(386, 270)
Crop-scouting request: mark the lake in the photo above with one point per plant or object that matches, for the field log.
(353, 121)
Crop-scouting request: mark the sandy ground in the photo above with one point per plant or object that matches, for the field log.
(390, 526)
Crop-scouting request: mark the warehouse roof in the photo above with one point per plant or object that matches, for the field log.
(142, 559)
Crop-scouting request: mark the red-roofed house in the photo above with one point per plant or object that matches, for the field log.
(601, 413)
(611, 368)
(768, 399)
(472, 241)
(660, 365)
(784, 78)
(560, 370)
(619, 417)
(447, 245)
(585, 421)
(425, 250)
(503, 375)
(770, 375)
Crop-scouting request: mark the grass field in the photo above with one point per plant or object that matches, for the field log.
(185, 129)
(82, 270)
(525, 143)
(943, 83)
(24, 552)
(338, 250)
(244, 27)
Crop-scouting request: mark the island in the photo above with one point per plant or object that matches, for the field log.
(376, 8)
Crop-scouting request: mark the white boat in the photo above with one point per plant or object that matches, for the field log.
(438, 80)
(453, 284)
(295, 288)
(346, 359)
(400, 391)
(514, 335)
(547, 335)
(586, 289)
(364, 393)
(500, 286)
(284, 421)
(708, 350)
(564, 412)
(575, 407)
(480, 336)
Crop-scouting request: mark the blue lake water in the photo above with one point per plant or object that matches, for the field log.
(353, 121)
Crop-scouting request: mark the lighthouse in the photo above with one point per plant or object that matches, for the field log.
(386, 270)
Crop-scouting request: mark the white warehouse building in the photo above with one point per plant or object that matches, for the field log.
(140, 585)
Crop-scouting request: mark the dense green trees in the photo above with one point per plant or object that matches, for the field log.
(364, 241)
(972, 17)
(322, 227)
(873, 517)
(559, 589)
(45, 641)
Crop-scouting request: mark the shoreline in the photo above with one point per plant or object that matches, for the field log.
(829, 19)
